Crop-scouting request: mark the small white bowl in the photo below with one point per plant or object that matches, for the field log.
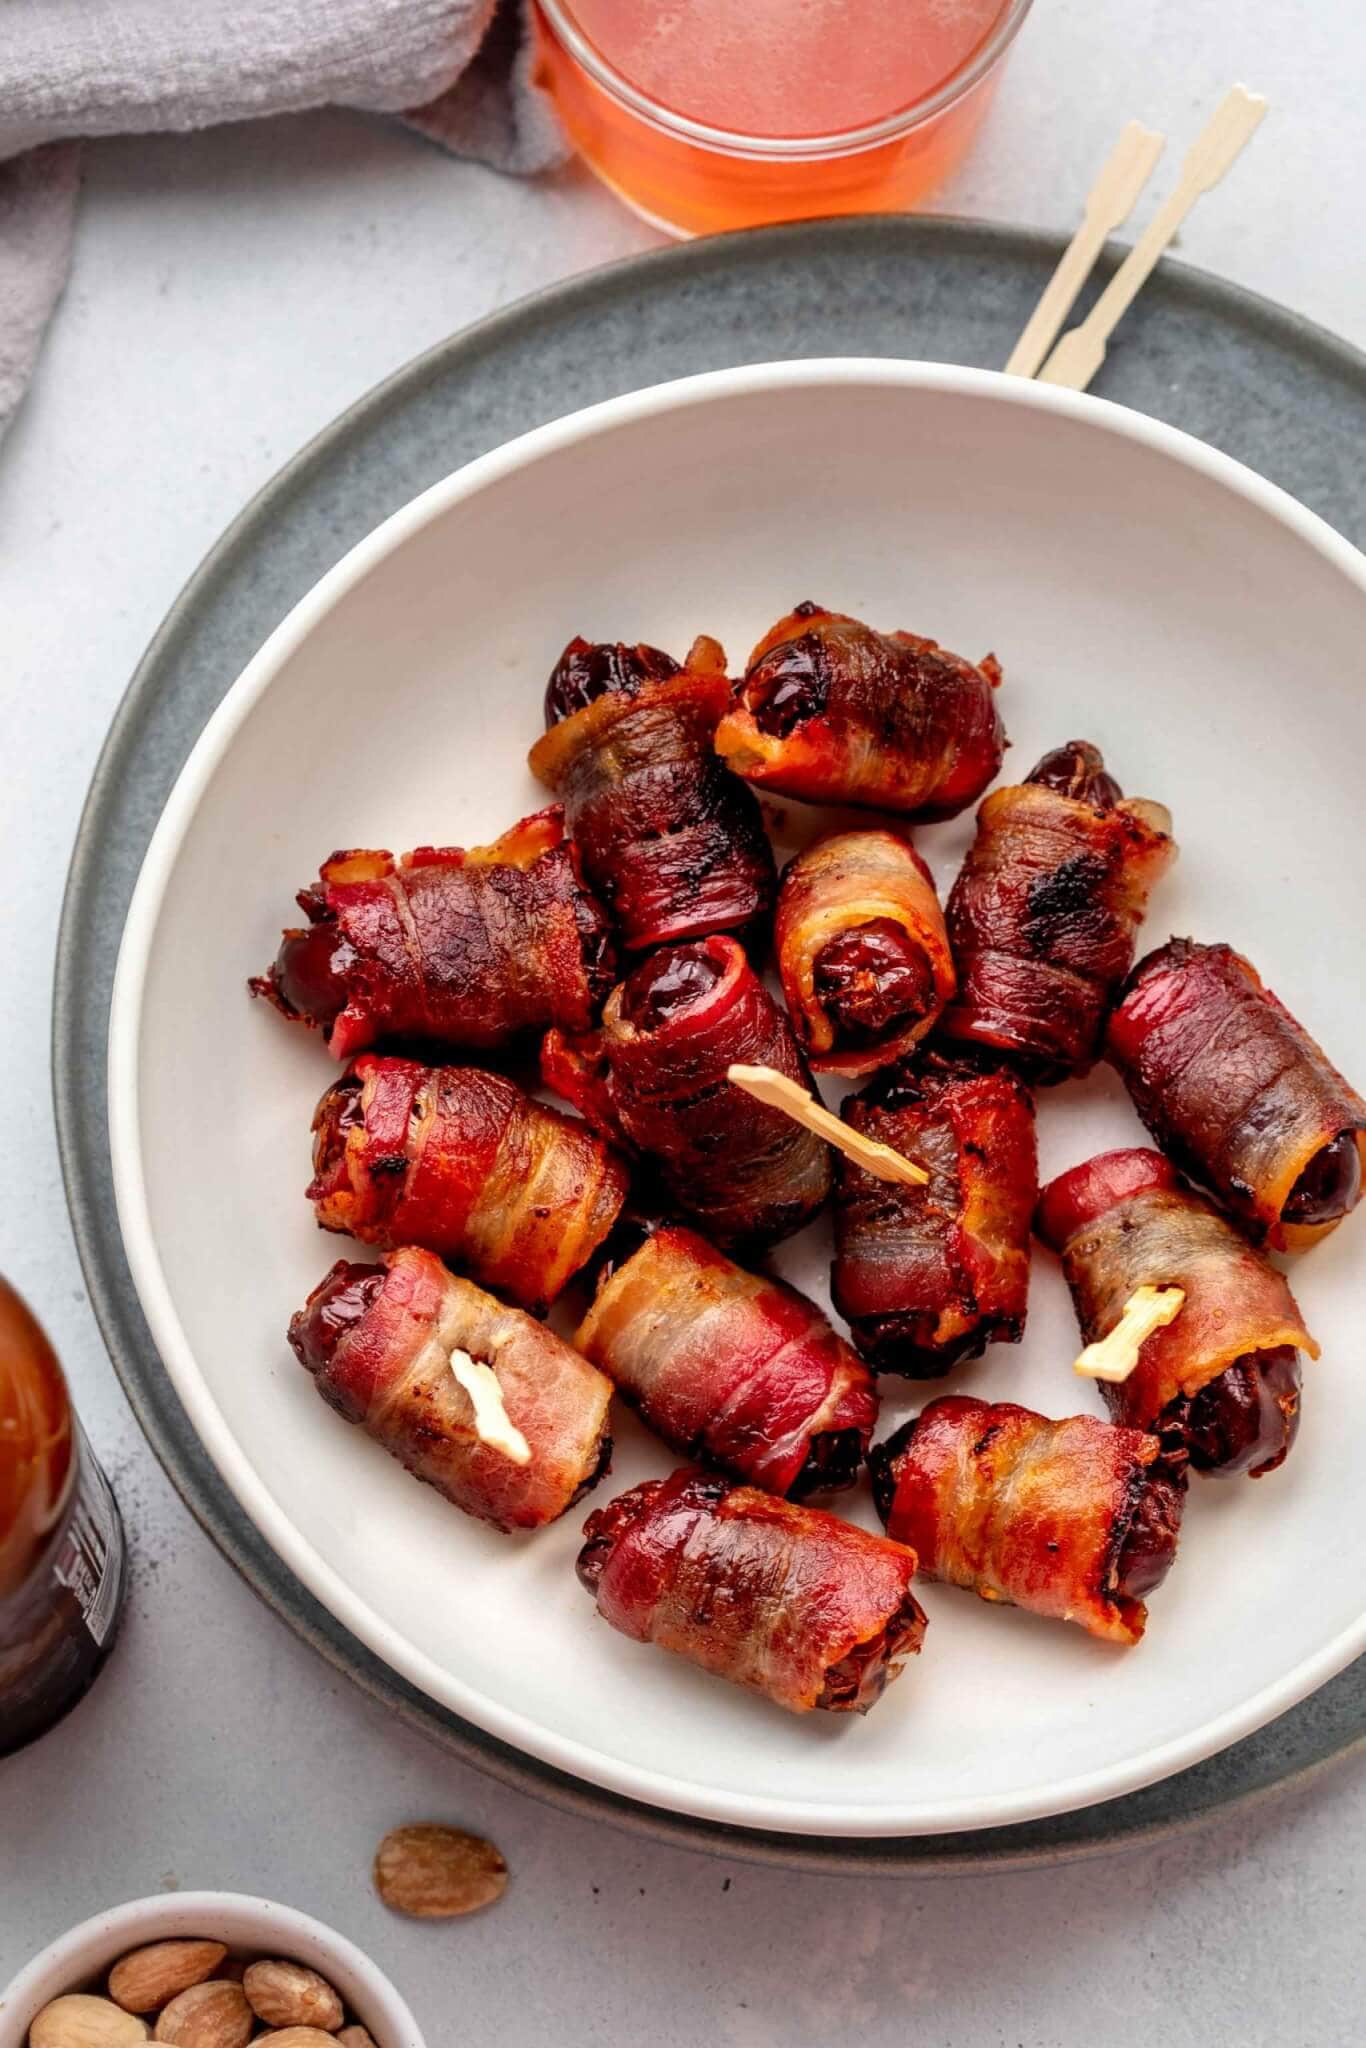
(80, 1959)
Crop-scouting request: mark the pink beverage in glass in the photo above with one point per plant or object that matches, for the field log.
(711, 114)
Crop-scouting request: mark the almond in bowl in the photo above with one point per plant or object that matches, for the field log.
(204, 1970)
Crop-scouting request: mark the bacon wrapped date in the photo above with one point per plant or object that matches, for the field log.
(1076, 1520)
(786, 1600)
(1239, 1094)
(1221, 1382)
(654, 1077)
(673, 845)
(452, 946)
(927, 1276)
(734, 1369)
(465, 1164)
(378, 1342)
(1043, 915)
(862, 950)
(831, 711)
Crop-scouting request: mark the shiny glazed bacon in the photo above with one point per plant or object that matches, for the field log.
(377, 1341)
(1238, 1092)
(831, 711)
(654, 1078)
(731, 1367)
(928, 1276)
(674, 846)
(464, 1163)
(862, 950)
(791, 1602)
(1041, 1514)
(451, 946)
(1124, 1220)
(1043, 915)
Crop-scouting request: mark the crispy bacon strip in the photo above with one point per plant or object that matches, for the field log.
(1076, 1520)
(786, 1600)
(674, 846)
(1043, 915)
(928, 1276)
(1238, 1092)
(463, 1163)
(862, 950)
(447, 946)
(378, 1341)
(732, 1368)
(654, 1078)
(1222, 1381)
(831, 711)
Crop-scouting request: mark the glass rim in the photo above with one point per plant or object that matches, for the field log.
(735, 142)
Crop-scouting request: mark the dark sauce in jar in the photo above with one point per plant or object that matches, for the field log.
(62, 1559)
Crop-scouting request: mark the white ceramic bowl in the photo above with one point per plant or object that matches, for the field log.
(1141, 590)
(80, 1960)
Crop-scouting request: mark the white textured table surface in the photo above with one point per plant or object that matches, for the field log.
(231, 293)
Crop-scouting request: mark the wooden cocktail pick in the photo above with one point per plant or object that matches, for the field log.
(1079, 355)
(1108, 205)
(492, 1423)
(767, 1085)
(1114, 1357)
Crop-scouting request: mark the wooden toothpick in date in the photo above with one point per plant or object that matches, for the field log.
(492, 1423)
(1114, 1357)
(767, 1085)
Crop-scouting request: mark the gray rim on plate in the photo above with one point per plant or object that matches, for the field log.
(1241, 373)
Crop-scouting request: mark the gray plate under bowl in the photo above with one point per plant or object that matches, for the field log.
(1252, 379)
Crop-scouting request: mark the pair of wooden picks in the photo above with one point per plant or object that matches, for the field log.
(1076, 358)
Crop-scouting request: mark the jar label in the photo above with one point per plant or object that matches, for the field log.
(90, 1555)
